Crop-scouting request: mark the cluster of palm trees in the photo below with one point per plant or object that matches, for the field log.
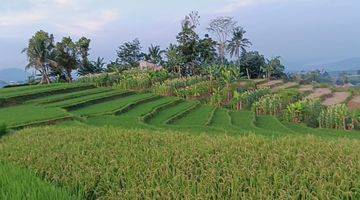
(59, 60)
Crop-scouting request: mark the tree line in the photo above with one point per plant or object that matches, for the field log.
(224, 46)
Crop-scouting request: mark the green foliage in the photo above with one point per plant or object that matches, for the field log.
(129, 54)
(304, 111)
(246, 99)
(3, 129)
(195, 90)
(16, 183)
(162, 165)
(251, 64)
(270, 104)
(336, 117)
(170, 86)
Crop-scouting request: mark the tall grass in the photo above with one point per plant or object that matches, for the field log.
(18, 183)
(123, 164)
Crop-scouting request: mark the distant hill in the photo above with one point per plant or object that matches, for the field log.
(13, 75)
(350, 64)
(2, 83)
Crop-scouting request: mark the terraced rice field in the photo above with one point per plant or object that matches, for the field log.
(319, 93)
(336, 98)
(126, 145)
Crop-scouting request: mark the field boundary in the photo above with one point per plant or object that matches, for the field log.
(145, 118)
(179, 115)
(16, 100)
(93, 101)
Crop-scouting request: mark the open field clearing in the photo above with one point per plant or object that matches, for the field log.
(18, 183)
(354, 103)
(336, 98)
(143, 164)
(27, 114)
(319, 93)
(285, 86)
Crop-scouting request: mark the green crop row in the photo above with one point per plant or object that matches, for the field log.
(106, 163)
(25, 114)
(16, 183)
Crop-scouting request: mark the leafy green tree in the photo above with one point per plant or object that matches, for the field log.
(251, 64)
(174, 59)
(188, 41)
(238, 42)
(207, 50)
(66, 56)
(83, 46)
(40, 52)
(155, 55)
(129, 54)
(94, 67)
(274, 68)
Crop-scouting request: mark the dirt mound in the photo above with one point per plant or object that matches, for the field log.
(336, 98)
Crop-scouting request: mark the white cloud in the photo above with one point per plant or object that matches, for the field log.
(72, 17)
(235, 5)
(89, 24)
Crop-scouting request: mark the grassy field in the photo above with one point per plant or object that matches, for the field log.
(161, 165)
(25, 114)
(18, 183)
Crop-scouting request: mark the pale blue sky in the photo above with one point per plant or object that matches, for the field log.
(301, 31)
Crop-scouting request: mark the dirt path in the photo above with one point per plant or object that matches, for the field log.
(354, 103)
(336, 98)
(319, 92)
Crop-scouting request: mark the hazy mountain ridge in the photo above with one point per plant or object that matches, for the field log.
(13, 75)
(350, 64)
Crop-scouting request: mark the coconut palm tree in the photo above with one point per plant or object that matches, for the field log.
(238, 42)
(40, 53)
(155, 55)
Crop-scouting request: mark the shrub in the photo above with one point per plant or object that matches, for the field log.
(305, 111)
(3, 129)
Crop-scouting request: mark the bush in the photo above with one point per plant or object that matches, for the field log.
(3, 129)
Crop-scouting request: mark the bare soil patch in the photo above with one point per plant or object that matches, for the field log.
(336, 98)
(306, 88)
(319, 92)
(354, 103)
(271, 84)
